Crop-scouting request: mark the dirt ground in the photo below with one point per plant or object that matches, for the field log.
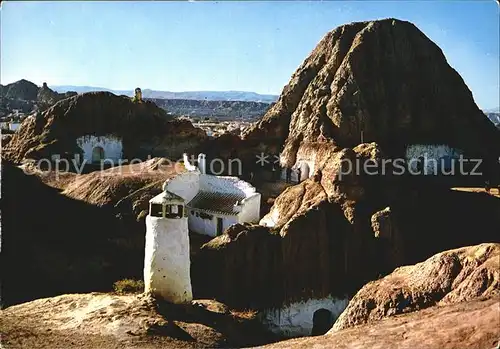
(100, 320)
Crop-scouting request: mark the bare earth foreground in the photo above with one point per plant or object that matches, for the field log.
(97, 320)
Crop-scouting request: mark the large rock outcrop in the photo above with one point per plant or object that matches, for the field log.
(328, 237)
(449, 277)
(381, 81)
(143, 128)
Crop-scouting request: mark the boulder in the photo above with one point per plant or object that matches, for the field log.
(446, 278)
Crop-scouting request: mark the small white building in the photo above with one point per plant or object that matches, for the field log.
(193, 201)
(214, 203)
(14, 126)
(100, 148)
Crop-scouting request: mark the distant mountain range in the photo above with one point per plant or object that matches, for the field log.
(196, 95)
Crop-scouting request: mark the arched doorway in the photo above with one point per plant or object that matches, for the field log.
(97, 154)
(322, 322)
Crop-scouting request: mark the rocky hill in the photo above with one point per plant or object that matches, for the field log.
(330, 235)
(22, 89)
(27, 97)
(327, 237)
(381, 81)
(144, 128)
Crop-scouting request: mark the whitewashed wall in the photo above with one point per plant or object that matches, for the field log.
(113, 148)
(166, 260)
(14, 126)
(296, 319)
(430, 152)
(209, 226)
(186, 185)
(250, 211)
(293, 177)
(304, 166)
(200, 225)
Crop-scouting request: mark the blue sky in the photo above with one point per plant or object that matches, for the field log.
(248, 46)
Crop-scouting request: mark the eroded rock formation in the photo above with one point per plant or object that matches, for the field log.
(449, 277)
(144, 128)
(380, 81)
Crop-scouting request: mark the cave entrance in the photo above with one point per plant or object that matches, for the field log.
(97, 154)
(322, 322)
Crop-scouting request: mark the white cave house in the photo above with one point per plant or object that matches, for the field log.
(301, 170)
(100, 148)
(214, 203)
(430, 159)
(301, 318)
(190, 201)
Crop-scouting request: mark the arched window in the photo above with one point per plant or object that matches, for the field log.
(97, 154)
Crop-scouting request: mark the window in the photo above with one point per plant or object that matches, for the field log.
(174, 211)
(156, 210)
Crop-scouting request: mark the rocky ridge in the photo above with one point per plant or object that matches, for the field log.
(144, 128)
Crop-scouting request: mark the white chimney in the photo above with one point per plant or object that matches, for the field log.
(187, 164)
(202, 163)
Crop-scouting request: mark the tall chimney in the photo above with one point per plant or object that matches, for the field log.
(202, 164)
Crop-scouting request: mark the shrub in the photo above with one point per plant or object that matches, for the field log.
(128, 286)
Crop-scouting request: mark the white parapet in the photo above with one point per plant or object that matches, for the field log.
(166, 261)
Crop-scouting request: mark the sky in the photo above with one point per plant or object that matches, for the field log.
(225, 45)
